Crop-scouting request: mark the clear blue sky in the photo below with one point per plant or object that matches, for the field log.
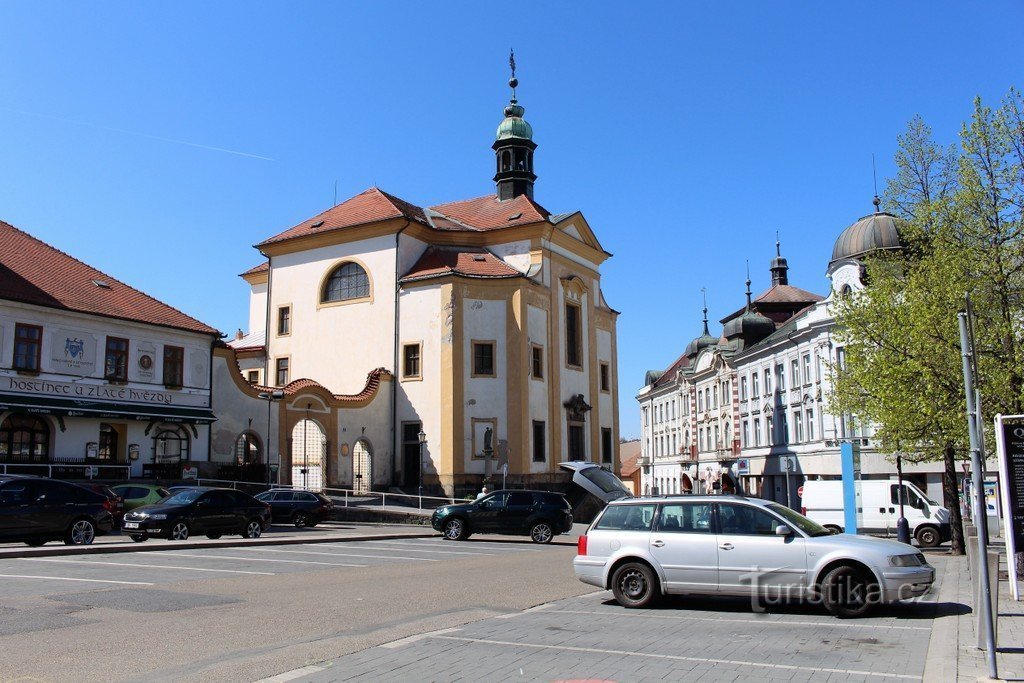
(687, 134)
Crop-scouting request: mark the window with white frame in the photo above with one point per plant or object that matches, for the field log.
(757, 431)
(807, 368)
(754, 389)
(795, 367)
(809, 418)
(743, 388)
(745, 434)
(798, 427)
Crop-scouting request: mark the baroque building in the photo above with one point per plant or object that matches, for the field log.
(475, 331)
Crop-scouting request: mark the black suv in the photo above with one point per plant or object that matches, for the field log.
(538, 514)
(211, 511)
(301, 508)
(36, 510)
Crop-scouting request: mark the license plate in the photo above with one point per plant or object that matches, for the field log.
(131, 525)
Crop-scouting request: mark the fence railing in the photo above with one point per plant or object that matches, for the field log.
(346, 497)
(61, 470)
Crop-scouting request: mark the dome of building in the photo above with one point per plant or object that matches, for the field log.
(876, 231)
(701, 342)
(751, 326)
(514, 126)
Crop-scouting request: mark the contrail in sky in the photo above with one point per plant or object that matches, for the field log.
(141, 135)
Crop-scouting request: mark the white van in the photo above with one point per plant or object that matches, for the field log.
(878, 510)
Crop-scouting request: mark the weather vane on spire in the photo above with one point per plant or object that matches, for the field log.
(512, 82)
(778, 244)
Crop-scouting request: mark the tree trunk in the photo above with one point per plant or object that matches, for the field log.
(951, 499)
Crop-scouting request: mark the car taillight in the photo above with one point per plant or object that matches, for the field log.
(108, 505)
(581, 545)
(803, 511)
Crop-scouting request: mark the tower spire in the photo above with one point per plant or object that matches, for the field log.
(514, 146)
(704, 293)
(874, 179)
(779, 267)
(748, 285)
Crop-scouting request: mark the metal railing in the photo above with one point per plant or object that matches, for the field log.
(64, 470)
(346, 497)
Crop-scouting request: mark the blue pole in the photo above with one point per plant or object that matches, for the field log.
(849, 487)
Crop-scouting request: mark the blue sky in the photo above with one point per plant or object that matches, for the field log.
(159, 141)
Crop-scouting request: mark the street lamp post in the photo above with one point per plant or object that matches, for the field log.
(270, 397)
(422, 436)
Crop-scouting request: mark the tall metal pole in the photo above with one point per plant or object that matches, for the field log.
(977, 465)
(902, 525)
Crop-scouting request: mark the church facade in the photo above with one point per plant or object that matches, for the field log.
(437, 346)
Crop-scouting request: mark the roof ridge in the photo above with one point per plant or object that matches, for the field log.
(105, 276)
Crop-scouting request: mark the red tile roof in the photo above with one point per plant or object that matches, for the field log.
(669, 375)
(373, 379)
(261, 268)
(33, 272)
(464, 261)
(373, 205)
(778, 294)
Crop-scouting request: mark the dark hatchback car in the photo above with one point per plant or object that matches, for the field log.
(35, 510)
(540, 515)
(301, 508)
(199, 510)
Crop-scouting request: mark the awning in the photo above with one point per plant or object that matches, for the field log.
(65, 407)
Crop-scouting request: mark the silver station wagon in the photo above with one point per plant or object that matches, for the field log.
(642, 548)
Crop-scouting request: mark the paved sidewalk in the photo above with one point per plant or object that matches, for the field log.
(953, 654)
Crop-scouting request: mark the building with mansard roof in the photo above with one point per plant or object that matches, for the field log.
(485, 318)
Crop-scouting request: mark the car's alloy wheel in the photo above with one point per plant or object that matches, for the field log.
(634, 585)
(541, 532)
(301, 520)
(927, 536)
(82, 532)
(454, 529)
(179, 532)
(847, 592)
(253, 529)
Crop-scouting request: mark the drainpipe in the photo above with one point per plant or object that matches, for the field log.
(394, 379)
(266, 327)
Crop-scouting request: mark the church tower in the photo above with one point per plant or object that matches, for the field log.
(513, 148)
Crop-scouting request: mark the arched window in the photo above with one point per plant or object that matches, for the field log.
(170, 445)
(506, 160)
(247, 449)
(348, 281)
(24, 438)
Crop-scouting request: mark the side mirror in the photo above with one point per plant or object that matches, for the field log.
(783, 530)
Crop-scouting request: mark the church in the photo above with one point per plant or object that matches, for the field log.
(442, 347)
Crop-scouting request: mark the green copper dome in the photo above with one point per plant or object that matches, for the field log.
(514, 126)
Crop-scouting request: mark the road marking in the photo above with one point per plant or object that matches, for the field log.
(414, 550)
(681, 658)
(477, 544)
(532, 610)
(68, 578)
(144, 566)
(314, 552)
(835, 623)
(293, 674)
(418, 637)
(262, 559)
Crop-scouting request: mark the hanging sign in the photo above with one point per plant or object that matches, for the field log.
(1010, 448)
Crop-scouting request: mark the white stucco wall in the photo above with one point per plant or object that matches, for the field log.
(257, 307)
(234, 409)
(515, 254)
(537, 323)
(486, 397)
(419, 400)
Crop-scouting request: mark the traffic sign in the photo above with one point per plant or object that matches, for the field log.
(800, 492)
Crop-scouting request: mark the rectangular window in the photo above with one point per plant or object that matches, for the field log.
(755, 389)
(539, 439)
(411, 361)
(746, 434)
(700, 401)
(284, 320)
(725, 393)
(537, 364)
(28, 347)
(795, 379)
(483, 359)
(718, 442)
(809, 418)
(174, 366)
(700, 439)
(841, 357)
(807, 368)
(577, 445)
(715, 395)
(606, 382)
(115, 366)
(780, 376)
(757, 432)
(817, 366)
(798, 427)
(254, 377)
(783, 427)
(627, 518)
(573, 336)
(606, 445)
(282, 372)
(686, 518)
(743, 388)
(767, 382)
(646, 422)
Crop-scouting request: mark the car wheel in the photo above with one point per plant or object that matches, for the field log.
(927, 536)
(213, 537)
(300, 519)
(253, 529)
(834, 529)
(35, 542)
(541, 532)
(138, 538)
(847, 592)
(455, 530)
(179, 531)
(81, 532)
(634, 585)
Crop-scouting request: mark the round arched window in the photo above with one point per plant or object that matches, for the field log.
(24, 438)
(247, 449)
(347, 281)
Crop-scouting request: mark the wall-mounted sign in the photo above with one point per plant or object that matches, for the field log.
(190, 472)
(101, 392)
(91, 449)
(133, 451)
(73, 351)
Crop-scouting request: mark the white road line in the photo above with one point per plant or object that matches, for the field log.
(144, 566)
(68, 578)
(477, 544)
(261, 559)
(532, 610)
(413, 550)
(681, 658)
(292, 675)
(418, 637)
(314, 552)
(835, 623)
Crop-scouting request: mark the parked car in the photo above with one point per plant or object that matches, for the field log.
(136, 495)
(731, 545)
(35, 510)
(539, 514)
(199, 510)
(301, 508)
(116, 499)
(879, 501)
(596, 480)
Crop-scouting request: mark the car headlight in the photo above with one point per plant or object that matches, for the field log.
(904, 561)
(159, 515)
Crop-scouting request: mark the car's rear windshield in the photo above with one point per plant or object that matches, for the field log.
(605, 480)
(809, 527)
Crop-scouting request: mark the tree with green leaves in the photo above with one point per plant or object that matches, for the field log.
(962, 234)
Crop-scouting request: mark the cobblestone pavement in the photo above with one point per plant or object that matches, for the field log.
(683, 639)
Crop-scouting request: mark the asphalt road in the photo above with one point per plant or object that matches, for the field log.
(245, 613)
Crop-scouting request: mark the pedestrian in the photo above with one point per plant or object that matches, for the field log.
(483, 492)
